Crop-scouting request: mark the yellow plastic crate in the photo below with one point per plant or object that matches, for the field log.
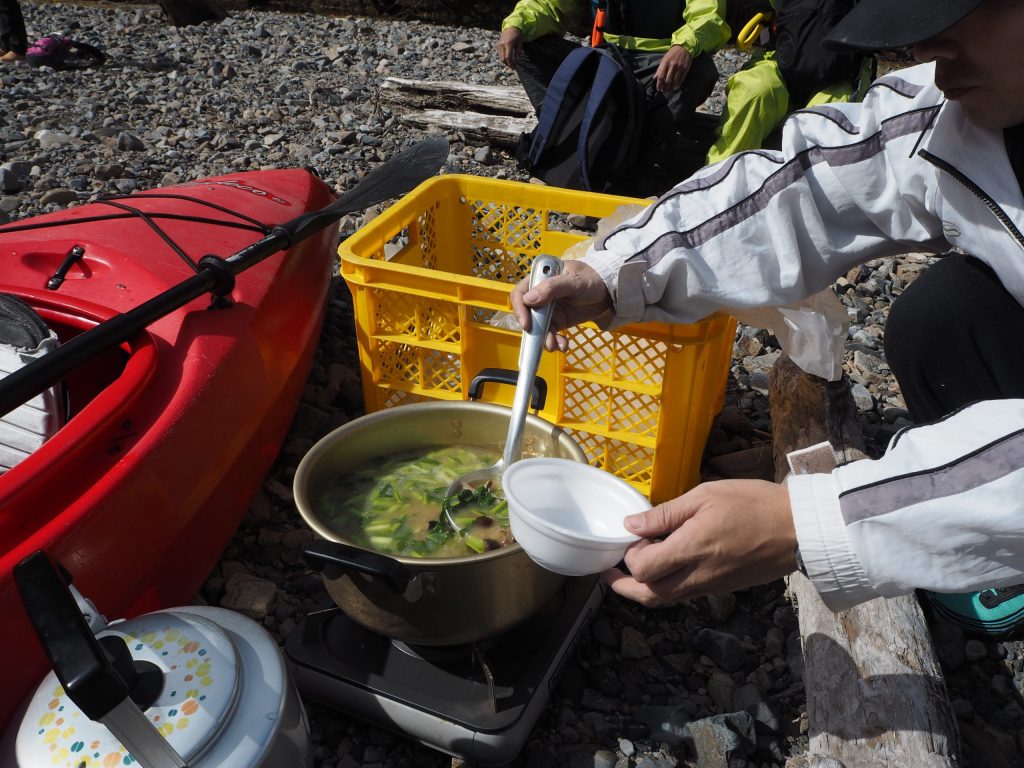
(429, 274)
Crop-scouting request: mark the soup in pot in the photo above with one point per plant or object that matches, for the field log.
(394, 504)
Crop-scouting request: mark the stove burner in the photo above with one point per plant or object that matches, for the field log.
(442, 655)
(470, 659)
(477, 701)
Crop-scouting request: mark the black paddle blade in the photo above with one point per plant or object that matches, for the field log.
(390, 179)
(398, 175)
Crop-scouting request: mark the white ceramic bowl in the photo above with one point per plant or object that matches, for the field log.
(567, 516)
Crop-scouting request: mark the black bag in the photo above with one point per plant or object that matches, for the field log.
(644, 18)
(805, 64)
(589, 126)
(61, 52)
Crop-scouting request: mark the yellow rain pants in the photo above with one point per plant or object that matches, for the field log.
(757, 100)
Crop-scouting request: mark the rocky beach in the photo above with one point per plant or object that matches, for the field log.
(716, 682)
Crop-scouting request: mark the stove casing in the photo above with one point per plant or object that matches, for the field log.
(439, 696)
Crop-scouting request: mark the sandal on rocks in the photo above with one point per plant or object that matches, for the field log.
(10, 57)
(997, 613)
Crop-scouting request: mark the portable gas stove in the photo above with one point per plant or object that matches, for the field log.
(477, 702)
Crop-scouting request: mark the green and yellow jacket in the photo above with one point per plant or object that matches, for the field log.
(641, 25)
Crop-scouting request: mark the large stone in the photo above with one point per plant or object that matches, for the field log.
(59, 196)
(634, 644)
(249, 595)
(722, 606)
(130, 142)
(107, 171)
(748, 698)
(51, 139)
(975, 650)
(10, 182)
(722, 741)
(720, 689)
(724, 649)
(750, 464)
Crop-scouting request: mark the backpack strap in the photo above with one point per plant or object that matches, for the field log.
(575, 70)
(614, 80)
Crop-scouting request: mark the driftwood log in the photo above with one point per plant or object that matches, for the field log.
(876, 695)
(488, 114)
(497, 130)
(449, 94)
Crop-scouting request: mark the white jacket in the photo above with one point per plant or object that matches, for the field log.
(902, 171)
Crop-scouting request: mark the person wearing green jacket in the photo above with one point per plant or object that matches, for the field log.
(668, 43)
(758, 99)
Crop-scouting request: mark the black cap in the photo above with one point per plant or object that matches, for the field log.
(881, 24)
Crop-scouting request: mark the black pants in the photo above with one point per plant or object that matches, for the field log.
(12, 28)
(665, 112)
(954, 337)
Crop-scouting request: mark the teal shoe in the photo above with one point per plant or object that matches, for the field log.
(993, 612)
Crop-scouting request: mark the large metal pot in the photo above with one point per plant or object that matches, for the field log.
(427, 601)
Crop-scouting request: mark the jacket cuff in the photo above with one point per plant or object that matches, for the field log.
(513, 20)
(624, 283)
(685, 37)
(825, 548)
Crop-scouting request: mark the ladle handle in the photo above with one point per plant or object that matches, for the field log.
(544, 267)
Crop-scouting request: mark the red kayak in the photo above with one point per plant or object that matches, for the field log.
(170, 434)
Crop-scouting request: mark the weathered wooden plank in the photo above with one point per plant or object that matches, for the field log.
(490, 129)
(876, 695)
(456, 96)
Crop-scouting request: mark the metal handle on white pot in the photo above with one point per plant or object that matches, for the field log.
(84, 668)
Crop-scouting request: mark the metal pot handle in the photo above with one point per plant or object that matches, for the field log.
(328, 556)
(508, 376)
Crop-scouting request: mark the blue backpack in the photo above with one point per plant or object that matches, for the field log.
(589, 126)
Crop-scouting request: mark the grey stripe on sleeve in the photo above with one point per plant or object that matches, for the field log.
(787, 175)
(837, 116)
(899, 85)
(986, 465)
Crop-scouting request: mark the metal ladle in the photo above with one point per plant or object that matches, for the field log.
(531, 346)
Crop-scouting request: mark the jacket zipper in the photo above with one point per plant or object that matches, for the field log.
(978, 192)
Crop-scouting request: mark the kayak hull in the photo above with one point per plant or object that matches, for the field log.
(172, 433)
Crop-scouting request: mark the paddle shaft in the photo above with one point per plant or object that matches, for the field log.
(389, 179)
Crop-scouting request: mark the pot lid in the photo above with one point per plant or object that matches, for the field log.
(201, 680)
